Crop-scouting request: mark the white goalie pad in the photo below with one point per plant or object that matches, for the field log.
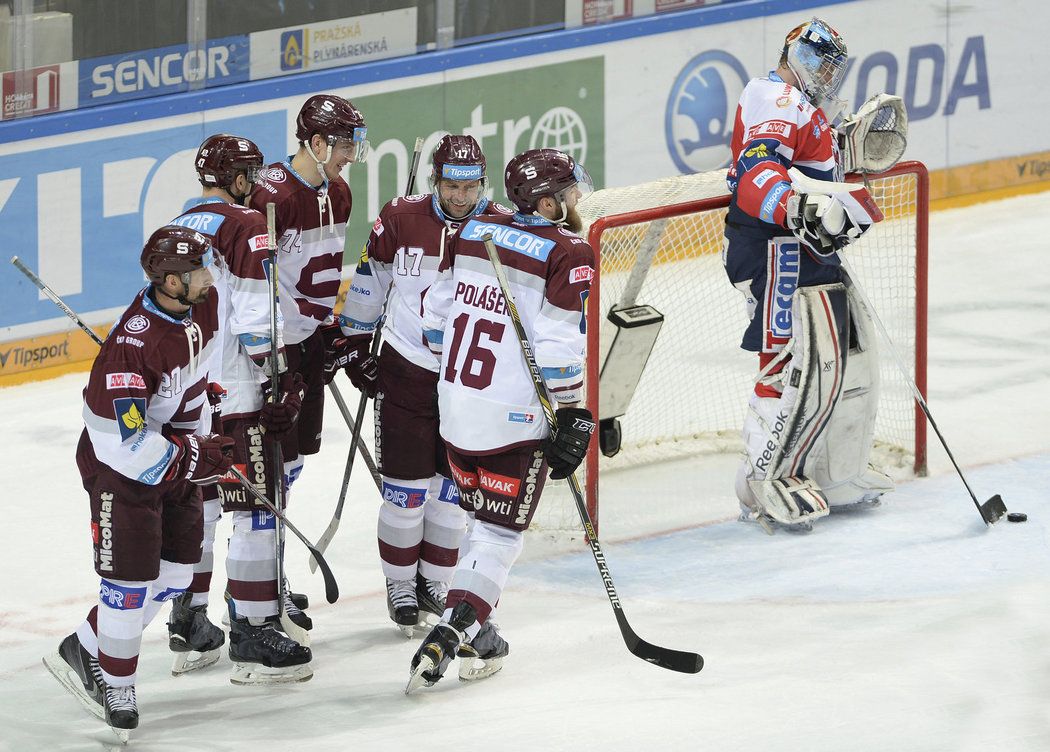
(873, 140)
(838, 462)
(780, 433)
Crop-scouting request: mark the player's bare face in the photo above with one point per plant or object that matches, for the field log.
(201, 282)
(343, 153)
(458, 197)
(571, 197)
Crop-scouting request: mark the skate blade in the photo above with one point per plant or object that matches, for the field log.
(473, 668)
(417, 680)
(250, 674)
(192, 660)
(124, 735)
(68, 678)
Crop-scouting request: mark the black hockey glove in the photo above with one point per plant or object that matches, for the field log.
(566, 447)
(278, 416)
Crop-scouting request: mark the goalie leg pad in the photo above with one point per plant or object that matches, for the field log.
(838, 462)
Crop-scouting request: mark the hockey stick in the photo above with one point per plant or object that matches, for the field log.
(675, 660)
(290, 628)
(992, 510)
(331, 587)
(370, 463)
(55, 299)
(355, 425)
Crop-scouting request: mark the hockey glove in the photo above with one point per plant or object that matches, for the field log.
(216, 394)
(566, 447)
(352, 355)
(200, 459)
(278, 416)
(822, 222)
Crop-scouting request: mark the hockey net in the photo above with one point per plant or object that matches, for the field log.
(660, 244)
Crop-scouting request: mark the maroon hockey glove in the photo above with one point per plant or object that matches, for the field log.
(200, 459)
(566, 447)
(278, 416)
(215, 394)
(352, 355)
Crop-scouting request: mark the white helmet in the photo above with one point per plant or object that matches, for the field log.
(816, 55)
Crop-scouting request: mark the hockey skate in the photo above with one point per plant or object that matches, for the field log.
(401, 605)
(300, 600)
(122, 710)
(294, 611)
(430, 595)
(192, 637)
(439, 648)
(262, 655)
(79, 673)
(483, 656)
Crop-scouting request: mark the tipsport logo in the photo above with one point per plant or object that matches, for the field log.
(701, 109)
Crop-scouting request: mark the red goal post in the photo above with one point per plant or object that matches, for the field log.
(692, 395)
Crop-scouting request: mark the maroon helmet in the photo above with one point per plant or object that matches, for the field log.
(458, 158)
(175, 250)
(222, 156)
(542, 172)
(333, 118)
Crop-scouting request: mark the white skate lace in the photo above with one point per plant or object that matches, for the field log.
(401, 592)
(121, 698)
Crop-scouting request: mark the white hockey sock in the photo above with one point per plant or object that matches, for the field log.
(444, 523)
(120, 618)
(251, 564)
(400, 529)
(171, 582)
(202, 571)
(482, 572)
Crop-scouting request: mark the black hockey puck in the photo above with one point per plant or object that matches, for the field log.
(1017, 517)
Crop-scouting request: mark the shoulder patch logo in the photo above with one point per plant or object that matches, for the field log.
(137, 323)
(131, 416)
(274, 174)
(377, 228)
(580, 274)
(124, 381)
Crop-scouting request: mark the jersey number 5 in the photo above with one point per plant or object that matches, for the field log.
(478, 362)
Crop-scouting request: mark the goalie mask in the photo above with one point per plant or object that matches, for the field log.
(222, 157)
(544, 172)
(816, 55)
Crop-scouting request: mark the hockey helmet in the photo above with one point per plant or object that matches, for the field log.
(334, 118)
(458, 158)
(816, 55)
(222, 156)
(175, 250)
(543, 172)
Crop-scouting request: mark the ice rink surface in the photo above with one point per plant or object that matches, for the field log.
(907, 627)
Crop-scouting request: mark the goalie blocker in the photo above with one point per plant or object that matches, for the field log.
(807, 450)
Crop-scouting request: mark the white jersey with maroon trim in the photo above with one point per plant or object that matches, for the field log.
(402, 255)
(148, 382)
(239, 237)
(311, 233)
(486, 396)
(776, 128)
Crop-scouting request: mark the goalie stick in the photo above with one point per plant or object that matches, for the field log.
(331, 587)
(675, 660)
(992, 510)
(355, 425)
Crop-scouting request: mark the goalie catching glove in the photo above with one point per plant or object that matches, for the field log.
(200, 459)
(873, 140)
(566, 447)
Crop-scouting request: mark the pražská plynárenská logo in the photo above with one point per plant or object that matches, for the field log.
(563, 129)
(701, 108)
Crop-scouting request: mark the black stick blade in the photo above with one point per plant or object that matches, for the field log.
(993, 510)
(673, 660)
(331, 587)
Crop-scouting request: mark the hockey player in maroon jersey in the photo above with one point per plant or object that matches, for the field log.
(227, 167)
(146, 448)
(810, 422)
(499, 447)
(312, 210)
(420, 520)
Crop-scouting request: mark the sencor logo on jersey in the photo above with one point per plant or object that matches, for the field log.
(124, 381)
(121, 598)
(207, 222)
(580, 274)
(510, 238)
(136, 324)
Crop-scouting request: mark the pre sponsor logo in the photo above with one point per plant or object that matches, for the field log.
(136, 324)
(406, 498)
(125, 381)
(121, 598)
